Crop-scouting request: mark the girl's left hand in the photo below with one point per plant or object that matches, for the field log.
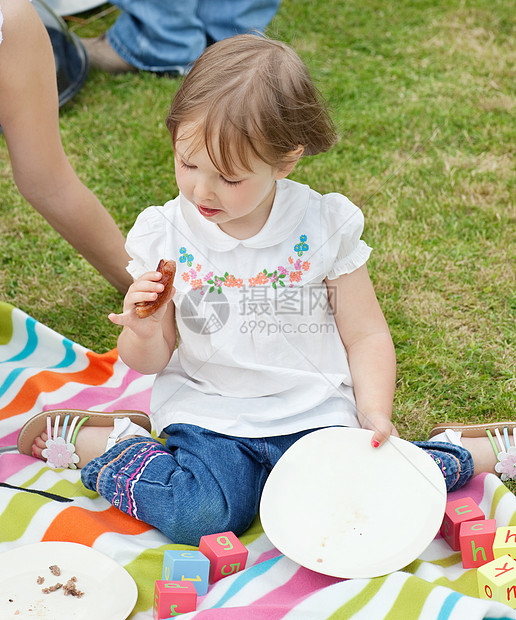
(380, 424)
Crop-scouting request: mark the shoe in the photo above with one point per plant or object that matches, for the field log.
(103, 56)
(505, 454)
(473, 430)
(60, 450)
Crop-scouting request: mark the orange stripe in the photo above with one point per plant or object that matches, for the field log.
(85, 526)
(99, 370)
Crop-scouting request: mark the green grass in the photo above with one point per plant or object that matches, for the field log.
(423, 95)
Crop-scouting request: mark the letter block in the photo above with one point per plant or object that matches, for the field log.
(458, 511)
(505, 542)
(226, 553)
(172, 598)
(497, 580)
(190, 566)
(476, 542)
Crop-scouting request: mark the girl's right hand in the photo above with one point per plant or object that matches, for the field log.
(145, 288)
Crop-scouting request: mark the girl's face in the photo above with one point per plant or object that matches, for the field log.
(240, 205)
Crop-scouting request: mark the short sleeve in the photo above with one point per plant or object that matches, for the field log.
(147, 240)
(344, 224)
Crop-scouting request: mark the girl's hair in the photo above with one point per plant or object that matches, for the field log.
(249, 96)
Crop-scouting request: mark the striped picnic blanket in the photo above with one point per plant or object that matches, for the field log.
(41, 370)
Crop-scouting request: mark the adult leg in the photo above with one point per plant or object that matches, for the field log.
(227, 18)
(158, 35)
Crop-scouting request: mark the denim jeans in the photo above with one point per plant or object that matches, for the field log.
(202, 482)
(167, 35)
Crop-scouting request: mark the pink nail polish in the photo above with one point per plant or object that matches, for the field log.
(375, 443)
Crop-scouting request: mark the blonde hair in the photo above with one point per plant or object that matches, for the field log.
(249, 96)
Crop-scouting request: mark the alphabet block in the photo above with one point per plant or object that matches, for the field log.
(226, 553)
(505, 542)
(190, 566)
(497, 580)
(458, 511)
(476, 542)
(172, 598)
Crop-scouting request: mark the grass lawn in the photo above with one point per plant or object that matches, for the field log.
(424, 97)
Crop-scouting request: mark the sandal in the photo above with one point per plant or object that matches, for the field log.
(506, 454)
(60, 450)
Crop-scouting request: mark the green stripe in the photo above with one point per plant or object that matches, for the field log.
(361, 599)
(6, 323)
(466, 584)
(18, 514)
(410, 600)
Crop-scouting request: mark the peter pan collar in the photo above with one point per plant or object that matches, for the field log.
(288, 209)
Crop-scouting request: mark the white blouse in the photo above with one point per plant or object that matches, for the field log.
(259, 353)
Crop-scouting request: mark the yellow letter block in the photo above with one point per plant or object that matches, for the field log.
(505, 541)
(497, 580)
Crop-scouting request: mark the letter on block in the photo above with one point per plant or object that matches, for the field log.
(172, 598)
(226, 553)
(187, 566)
(497, 580)
(476, 542)
(505, 542)
(458, 511)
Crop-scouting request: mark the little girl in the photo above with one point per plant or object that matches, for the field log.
(278, 328)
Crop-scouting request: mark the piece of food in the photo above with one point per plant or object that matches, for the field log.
(168, 270)
(55, 570)
(53, 588)
(70, 588)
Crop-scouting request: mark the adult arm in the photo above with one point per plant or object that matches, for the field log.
(29, 116)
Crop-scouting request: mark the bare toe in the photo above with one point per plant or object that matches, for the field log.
(39, 445)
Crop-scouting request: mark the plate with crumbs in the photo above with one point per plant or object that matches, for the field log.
(338, 506)
(93, 585)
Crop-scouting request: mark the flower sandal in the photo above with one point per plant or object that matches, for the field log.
(506, 455)
(60, 448)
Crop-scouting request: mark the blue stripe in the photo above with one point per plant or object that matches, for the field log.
(30, 346)
(448, 605)
(70, 355)
(245, 577)
(32, 341)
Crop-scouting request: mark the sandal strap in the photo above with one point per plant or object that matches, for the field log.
(506, 455)
(60, 449)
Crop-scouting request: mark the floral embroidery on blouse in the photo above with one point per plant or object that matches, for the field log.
(281, 276)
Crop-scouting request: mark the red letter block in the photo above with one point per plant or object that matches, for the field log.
(476, 542)
(172, 598)
(457, 512)
(227, 555)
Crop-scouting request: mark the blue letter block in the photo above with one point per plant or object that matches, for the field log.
(190, 566)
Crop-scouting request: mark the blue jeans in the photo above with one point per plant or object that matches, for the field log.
(167, 35)
(202, 482)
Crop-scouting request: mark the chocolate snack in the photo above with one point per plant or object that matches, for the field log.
(167, 268)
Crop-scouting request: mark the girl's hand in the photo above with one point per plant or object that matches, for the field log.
(145, 288)
(382, 426)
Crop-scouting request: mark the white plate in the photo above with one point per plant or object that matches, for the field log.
(337, 506)
(110, 593)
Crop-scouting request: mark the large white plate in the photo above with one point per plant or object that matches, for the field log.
(337, 506)
(110, 593)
